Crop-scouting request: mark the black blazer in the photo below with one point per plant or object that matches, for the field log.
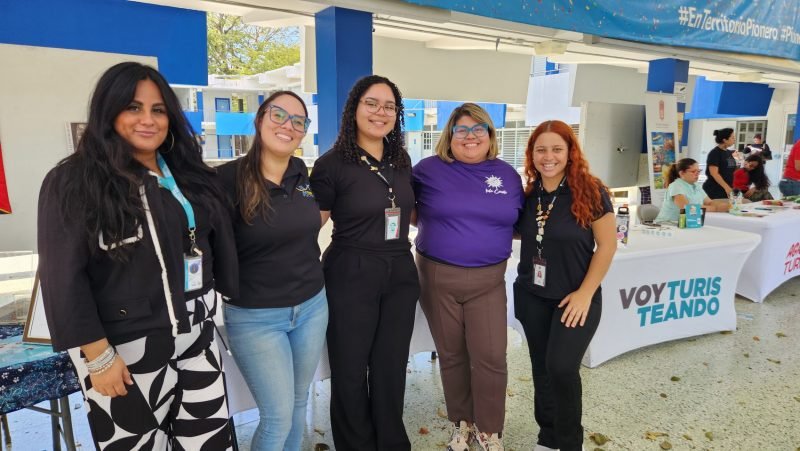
(88, 296)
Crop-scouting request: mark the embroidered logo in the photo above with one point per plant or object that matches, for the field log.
(494, 185)
(305, 190)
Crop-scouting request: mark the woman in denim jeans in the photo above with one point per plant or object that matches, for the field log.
(790, 184)
(276, 327)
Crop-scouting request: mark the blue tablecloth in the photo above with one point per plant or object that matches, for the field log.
(31, 373)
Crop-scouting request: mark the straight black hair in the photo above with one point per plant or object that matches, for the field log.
(722, 134)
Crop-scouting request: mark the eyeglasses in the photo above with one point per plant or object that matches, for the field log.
(462, 131)
(279, 116)
(373, 106)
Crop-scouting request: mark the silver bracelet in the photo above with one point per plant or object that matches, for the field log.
(102, 360)
(105, 367)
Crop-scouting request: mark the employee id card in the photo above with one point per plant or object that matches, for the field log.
(193, 272)
(539, 271)
(392, 223)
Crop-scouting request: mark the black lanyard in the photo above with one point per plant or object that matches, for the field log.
(387, 180)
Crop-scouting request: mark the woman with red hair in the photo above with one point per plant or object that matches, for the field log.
(557, 294)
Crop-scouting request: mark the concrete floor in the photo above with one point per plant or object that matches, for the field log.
(738, 391)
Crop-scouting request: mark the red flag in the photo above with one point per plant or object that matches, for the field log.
(5, 203)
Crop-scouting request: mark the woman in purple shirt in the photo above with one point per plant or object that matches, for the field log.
(467, 204)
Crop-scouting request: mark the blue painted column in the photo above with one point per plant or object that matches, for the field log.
(344, 54)
(662, 76)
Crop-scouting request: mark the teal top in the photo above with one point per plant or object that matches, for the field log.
(669, 211)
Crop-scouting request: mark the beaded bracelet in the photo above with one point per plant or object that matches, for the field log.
(105, 367)
(101, 361)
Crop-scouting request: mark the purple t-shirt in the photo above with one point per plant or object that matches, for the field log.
(466, 212)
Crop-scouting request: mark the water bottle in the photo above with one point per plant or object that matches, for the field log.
(734, 198)
(623, 224)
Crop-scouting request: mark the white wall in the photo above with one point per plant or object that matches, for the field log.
(605, 127)
(423, 73)
(475, 75)
(607, 84)
(548, 99)
(42, 89)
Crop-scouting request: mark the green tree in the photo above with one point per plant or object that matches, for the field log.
(235, 48)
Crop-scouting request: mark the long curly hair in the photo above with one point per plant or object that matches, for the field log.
(252, 195)
(757, 175)
(100, 182)
(394, 143)
(587, 203)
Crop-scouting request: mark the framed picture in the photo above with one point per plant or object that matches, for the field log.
(74, 133)
(36, 330)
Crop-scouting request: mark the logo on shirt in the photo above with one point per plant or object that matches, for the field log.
(305, 190)
(494, 185)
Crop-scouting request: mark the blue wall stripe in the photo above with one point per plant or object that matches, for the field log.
(235, 124)
(195, 119)
(177, 37)
(717, 99)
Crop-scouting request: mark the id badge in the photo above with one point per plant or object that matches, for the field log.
(392, 221)
(193, 272)
(539, 271)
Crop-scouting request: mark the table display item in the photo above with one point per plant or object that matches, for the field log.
(691, 216)
(623, 224)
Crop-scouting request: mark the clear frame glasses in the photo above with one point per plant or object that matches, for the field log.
(279, 116)
(373, 106)
(462, 131)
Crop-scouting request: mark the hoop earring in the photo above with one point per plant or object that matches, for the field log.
(172, 143)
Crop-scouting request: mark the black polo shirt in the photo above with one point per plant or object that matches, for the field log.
(567, 247)
(279, 257)
(357, 199)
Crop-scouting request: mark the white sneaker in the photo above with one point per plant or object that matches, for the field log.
(487, 442)
(544, 448)
(459, 439)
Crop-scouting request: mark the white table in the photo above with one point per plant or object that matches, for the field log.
(776, 259)
(643, 302)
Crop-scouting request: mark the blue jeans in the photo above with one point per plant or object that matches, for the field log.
(789, 187)
(277, 351)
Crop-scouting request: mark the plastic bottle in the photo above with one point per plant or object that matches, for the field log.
(623, 224)
(733, 199)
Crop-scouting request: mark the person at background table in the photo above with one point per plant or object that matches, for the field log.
(468, 201)
(682, 189)
(720, 165)
(276, 327)
(557, 295)
(758, 147)
(751, 179)
(135, 242)
(790, 184)
(364, 185)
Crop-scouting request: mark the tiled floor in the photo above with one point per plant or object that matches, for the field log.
(738, 391)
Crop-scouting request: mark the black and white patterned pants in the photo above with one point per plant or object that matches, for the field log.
(178, 397)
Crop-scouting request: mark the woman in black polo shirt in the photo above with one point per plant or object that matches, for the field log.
(276, 327)
(568, 241)
(364, 185)
(720, 165)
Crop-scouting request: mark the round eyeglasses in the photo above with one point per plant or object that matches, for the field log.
(462, 131)
(279, 116)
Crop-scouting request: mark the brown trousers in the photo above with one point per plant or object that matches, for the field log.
(466, 311)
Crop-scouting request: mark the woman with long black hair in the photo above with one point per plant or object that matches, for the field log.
(134, 245)
(364, 185)
(751, 179)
